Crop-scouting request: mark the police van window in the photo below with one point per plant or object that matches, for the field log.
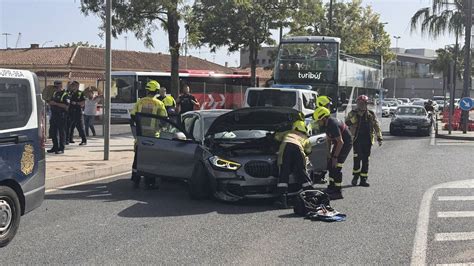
(309, 101)
(15, 103)
(123, 89)
(271, 98)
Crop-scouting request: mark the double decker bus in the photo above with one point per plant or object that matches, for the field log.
(317, 61)
(212, 90)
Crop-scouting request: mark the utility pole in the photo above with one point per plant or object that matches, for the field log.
(126, 38)
(330, 17)
(467, 63)
(6, 38)
(396, 66)
(108, 69)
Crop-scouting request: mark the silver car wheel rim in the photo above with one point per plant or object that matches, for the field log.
(5, 216)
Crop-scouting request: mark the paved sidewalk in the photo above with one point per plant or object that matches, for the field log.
(455, 134)
(82, 163)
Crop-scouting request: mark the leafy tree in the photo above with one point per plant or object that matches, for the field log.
(143, 17)
(359, 28)
(237, 24)
(79, 44)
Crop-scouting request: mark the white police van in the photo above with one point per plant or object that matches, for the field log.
(22, 156)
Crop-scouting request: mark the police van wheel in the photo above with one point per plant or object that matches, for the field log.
(199, 187)
(10, 214)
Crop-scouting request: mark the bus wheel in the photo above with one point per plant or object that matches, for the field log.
(10, 214)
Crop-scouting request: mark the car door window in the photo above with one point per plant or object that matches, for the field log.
(188, 122)
(158, 127)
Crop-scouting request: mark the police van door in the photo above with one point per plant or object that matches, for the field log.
(163, 148)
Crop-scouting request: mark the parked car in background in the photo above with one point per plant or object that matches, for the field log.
(389, 100)
(440, 104)
(418, 103)
(385, 109)
(416, 99)
(405, 101)
(412, 118)
(392, 106)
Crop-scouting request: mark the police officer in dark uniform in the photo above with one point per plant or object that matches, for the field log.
(75, 113)
(59, 110)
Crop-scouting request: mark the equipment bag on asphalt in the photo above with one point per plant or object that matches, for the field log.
(314, 205)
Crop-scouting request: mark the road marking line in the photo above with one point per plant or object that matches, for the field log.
(87, 182)
(420, 242)
(461, 236)
(458, 214)
(457, 264)
(455, 198)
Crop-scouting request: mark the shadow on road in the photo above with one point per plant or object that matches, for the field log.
(170, 200)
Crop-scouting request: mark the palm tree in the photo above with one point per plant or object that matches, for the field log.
(443, 16)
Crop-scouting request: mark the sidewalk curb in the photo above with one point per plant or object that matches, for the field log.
(73, 178)
(442, 136)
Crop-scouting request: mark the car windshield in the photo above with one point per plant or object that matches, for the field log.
(419, 103)
(412, 111)
(236, 134)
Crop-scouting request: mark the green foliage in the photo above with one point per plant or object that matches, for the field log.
(79, 44)
(143, 17)
(237, 24)
(359, 28)
(444, 16)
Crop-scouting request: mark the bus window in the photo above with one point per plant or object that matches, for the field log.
(271, 98)
(123, 89)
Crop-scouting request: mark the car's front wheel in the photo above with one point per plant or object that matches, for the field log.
(10, 214)
(199, 186)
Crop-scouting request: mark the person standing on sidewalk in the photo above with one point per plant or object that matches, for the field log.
(59, 104)
(150, 105)
(186, 101)
(75, 111)
(340, 141)
(90, 109)
(364, 128)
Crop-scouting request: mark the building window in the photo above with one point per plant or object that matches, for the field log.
(264, 61)
(257, 61)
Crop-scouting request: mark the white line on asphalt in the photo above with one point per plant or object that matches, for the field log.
(87, 182)
(459, 214)
(457, 264)
(418, 256)
(460, 236)
(433, 140)
(455, 198)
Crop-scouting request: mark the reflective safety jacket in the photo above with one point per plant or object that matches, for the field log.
(149, 105)
(168, 100)
(294, 137)
(353, 118)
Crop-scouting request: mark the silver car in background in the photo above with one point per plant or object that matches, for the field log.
(230, 155)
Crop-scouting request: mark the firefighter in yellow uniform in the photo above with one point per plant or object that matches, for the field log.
(292, 159)
(169, 103)
(149, 105)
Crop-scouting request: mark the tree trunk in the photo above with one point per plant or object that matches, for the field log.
(173, 39)
(253, 64)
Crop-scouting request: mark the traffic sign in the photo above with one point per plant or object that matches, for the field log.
(466, 104)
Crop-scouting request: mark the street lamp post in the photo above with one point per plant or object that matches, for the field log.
(45, 43)
(396, 66)
(6, 34)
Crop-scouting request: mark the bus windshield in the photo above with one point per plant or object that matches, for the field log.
(307, 63)
(123, 89)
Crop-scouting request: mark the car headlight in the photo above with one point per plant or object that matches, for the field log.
(223, 164)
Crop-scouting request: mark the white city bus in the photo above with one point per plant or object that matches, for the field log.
(212, 90)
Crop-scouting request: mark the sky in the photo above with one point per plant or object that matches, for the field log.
(54, 22)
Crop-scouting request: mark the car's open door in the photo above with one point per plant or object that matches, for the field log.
(318, 156)
(163, 148)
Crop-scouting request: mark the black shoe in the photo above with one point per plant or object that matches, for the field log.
(72, 141)
(59, 152)
(333, 193)
(363, 182)
(51, 151)
(354, 180)
(66, 143)
(83, 143)
(282, 202)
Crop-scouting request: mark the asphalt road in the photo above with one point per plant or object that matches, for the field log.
(108, 222)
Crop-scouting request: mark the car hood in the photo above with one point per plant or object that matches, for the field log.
(255, 118)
